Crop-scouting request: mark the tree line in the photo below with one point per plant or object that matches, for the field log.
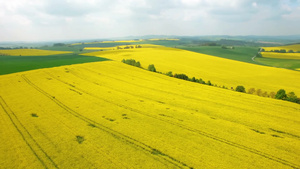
(281, 51)
(281, 94)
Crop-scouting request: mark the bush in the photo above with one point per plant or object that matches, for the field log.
(265, 94)
(282, 51)
(240, 89)
(169, 74)
(272, 94)
(209, 83)
(258, 55)
(80, 139)
(181, 76)
(292, 98)
(258, 92)
(132, 62)
(201, 81)
(251, 91)
(137, 64)
(223, 47)
(193, 79)
(281, 94)
(34, 115)
(151, 68)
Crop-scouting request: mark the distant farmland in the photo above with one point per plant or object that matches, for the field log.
(218, 70)
(107, 114)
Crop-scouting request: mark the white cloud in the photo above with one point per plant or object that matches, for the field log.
(254, 4)
(61, 19)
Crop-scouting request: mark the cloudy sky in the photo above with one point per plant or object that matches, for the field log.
(42, 20)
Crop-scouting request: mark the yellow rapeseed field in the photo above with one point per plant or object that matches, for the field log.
(281, 55)
(120, 47)
(218, 70)
(112, 115)
(99, 48)
(30, 52)
(295, 48)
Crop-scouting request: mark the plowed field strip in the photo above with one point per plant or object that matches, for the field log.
(113, 133)
(208, 135)
(36, 149)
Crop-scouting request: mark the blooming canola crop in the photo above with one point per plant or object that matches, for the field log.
(218, 70)
(112, 115)
(30, 52)
(276, 55)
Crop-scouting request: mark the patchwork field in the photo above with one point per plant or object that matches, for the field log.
(239, 53)
(30, 52)
(295, 56)
(294, 48)
(112, 115)
(218, 70)
(127, 41)
(13, 64)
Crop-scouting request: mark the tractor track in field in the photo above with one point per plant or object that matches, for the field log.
(157, 89)
(203, 133)
(36, 149)
(124, 138)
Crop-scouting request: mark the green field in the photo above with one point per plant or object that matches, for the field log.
(280, 63)
(13, 64)
(240, 53)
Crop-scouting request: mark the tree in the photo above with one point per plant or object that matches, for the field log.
(282, 51)
(251, 91)
(137, 64)
(258, 92)
(264, 94)
(292, 97)
(169, 74)
(59, 44)
(272, 94)
(224, 47)
(193, 79)
(259, 55)
(209, 83)
(281, 94)
(181, 76)
(132, 62)
(151, 68)
(240, 89)
(201, 81)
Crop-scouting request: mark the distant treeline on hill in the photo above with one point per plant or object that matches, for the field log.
(281, 94)
(281, 51)
(132, 62)
(129, 47)
(18, 47)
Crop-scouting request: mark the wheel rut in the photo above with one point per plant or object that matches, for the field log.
(156, 154)
(33, 145)
(203, 133)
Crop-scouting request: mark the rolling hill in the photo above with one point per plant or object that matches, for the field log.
(112, 115)
(218, 70)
